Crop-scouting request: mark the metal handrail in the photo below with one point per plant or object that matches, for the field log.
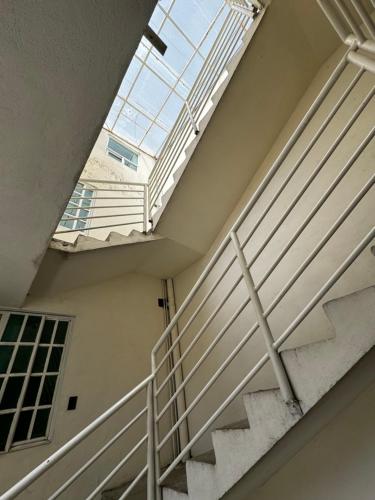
(262, 315)
(157, 380)
(220, 54)
(133, 197)
(74, 441)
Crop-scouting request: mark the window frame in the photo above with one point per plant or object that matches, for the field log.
(47, 438)
(117, 156)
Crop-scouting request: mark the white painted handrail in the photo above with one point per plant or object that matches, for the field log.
(108, 201)
(72, 443)
(227, 42)
(158, 380)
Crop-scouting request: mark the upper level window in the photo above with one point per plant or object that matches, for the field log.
(31, 351)
(77, 211)
(121, 153)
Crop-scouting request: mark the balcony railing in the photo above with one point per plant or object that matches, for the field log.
(186, 127)
(98, 205)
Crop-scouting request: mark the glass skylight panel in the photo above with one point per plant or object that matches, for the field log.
(156, 86)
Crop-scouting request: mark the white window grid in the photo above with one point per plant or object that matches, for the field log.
(28, 374)
(147, 52)
(78, 208)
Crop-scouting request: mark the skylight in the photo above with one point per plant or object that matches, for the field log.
(156, 86)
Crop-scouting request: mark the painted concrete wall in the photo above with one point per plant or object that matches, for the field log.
(338, 464)
(101, 166)
(361, 274)
(116, 324)
(57, 83)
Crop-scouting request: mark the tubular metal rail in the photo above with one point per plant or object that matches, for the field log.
(108, 204)
(235, 241)
(237, 21)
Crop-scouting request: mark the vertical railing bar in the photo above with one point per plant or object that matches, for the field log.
(277, 364)
(156, 428)
(151, 484)
(145, 209)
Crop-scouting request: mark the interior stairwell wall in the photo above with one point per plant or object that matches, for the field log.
(361, 274)
(116, 324)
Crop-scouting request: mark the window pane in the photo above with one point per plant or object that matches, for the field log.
(31, 391)
(67, 223)
(23, 425)
(149, 92)
(61, 330)
(31, 329)
(40, 424)
(48, 390)
(40, 359)
(12, 393)
(81, 224)
(5, 355)
(21, 361)
(87, 203)
(83, 213)
(47, 331)
(5, 423)
(55, 359)
(13, 328)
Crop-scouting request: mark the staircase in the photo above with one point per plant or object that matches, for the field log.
(285, 322)
(313, 370)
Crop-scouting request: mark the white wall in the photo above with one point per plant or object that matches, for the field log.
(116, 324)
(361, 274)
(58, 81)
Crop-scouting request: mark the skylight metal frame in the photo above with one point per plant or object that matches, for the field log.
(154, 119)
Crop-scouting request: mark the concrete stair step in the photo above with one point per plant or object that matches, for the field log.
(313, 370)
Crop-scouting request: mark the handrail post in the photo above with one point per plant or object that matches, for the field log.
(191, 118)
(151, 484)
(156, 459)
(279, 369)
(145, 208)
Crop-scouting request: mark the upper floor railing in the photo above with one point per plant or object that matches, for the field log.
(97, 205)
(237, 22)
(234, 264)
